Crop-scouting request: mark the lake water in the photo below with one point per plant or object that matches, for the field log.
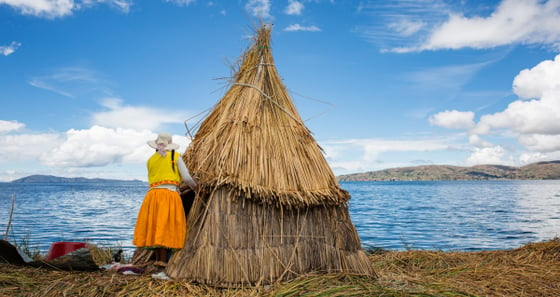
(441, 215)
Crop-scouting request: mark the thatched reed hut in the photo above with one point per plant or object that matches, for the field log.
(268, 206)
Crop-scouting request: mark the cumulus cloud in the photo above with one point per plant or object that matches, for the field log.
(135, 117)
(476, 141)
(98, 146)
(453, 119)
(536, 116)
(7, 50)
(534, 122)
(93, 152)
(259, 8)
(532, 157)
(540, 116)
(60, 8)
(541, 143)
(294, 8)
(26, 146)
(298, 27)
(42, 8)
(9, 126)
(101, 146)
(487, 155)
(532, 83)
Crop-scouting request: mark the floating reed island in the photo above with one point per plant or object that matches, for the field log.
(268, 207)
(531, 270)
(270, 219)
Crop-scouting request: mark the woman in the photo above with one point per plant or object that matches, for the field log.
(161, 223)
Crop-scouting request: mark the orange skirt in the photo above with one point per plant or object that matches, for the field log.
(161, 221)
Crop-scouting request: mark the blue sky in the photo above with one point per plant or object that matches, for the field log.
(381, 84)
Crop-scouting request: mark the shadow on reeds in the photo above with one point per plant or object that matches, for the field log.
(531, 270)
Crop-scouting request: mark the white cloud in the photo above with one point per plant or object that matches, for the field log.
(42, 8)
(541, 143)
(135, 117)
(532, 83)
(535, 123)
(298, 27)
(532, 157)
(540, 116)
(453, 119)
(536, 116)
(398, 25)
(93, 152)
(182, 2)
(354, 155)
(513, 22)
(98, 146)
(23, 147)
(60, 8)
(294, 8)
(487, 155)
(10, 126)
(122, 5)
(259, 8)
(7, 50)
(476, 141)
(406, 27)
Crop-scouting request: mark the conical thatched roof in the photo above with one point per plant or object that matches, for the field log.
(268, 207)
(255, 142)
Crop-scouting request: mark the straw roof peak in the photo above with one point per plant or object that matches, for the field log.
(255, 143)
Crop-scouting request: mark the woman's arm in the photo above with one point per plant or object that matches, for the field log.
(185, 174)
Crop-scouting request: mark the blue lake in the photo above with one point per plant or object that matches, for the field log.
(442, 215)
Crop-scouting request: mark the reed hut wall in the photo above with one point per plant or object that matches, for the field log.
(268, 206)
(236, 243)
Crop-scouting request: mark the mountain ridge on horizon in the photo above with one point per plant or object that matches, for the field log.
(39, 178)
(535, 171)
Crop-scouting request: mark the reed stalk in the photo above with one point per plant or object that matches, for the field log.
(528, 271)
(10, 218)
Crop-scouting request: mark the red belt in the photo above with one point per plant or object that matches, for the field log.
(165, 182)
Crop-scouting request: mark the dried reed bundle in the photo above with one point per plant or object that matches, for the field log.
(531, 270)
(255, 143)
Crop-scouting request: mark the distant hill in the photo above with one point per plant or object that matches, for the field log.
(56, 179)
(540, 170)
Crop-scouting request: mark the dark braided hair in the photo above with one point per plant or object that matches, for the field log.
(173, 160)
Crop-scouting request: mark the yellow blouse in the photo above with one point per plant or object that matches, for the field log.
(160, 170)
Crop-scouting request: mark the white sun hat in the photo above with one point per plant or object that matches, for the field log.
(163, 138)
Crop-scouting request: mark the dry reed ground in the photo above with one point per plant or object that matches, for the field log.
(531, 270)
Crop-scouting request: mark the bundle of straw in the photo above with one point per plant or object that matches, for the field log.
(255, 143)
(268, 207)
